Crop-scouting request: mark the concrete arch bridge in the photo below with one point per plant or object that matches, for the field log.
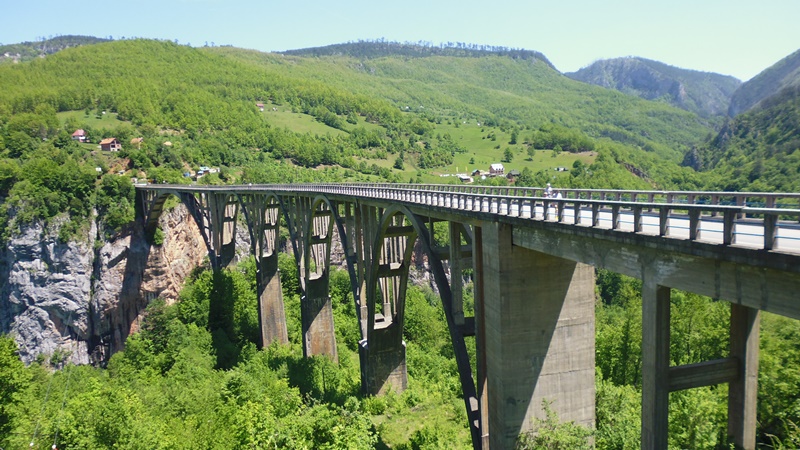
(533, 258)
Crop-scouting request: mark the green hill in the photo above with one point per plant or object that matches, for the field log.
(495, 89)
(339, 117)
(706, 94)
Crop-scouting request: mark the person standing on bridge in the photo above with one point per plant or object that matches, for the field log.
(548, 191)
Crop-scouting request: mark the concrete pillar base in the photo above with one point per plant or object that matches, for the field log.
(383, 362)
(319, 337)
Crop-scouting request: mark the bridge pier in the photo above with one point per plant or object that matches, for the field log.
(271, 313)
(739, 370)
(742, 391)
(538, 325)
(316, 315)
(655, 364)
(383, 361)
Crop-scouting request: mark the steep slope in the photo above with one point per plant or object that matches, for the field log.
(783, 74)
(706, 94)
(758, 150)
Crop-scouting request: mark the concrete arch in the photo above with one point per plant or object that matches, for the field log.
(264, 242)
(151, 205)
(383, 352)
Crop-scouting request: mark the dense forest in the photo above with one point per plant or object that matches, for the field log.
(364, 111)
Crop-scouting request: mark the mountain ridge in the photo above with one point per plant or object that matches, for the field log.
(771, 81)
(704, 93)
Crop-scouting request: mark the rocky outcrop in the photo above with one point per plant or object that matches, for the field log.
(82, 299)
(46, 288)
(131, 273)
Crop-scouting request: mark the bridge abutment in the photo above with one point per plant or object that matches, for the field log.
(538, 325)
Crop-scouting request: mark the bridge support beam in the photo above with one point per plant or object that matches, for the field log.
(742, 391)
(538, 326)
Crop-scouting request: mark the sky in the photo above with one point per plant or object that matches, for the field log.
(731, 37)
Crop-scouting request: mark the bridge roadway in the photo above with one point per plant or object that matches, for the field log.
(533, 261)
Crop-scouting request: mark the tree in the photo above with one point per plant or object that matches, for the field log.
(398, 163)
(531, 153)
(514, 135)
(13, 379)
(552, 434)
(508, 155)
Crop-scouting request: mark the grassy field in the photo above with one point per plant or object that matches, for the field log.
(106, 121)
(282, 116)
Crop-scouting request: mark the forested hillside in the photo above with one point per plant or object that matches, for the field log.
(388, 118)
(758, 150)
(364, 111)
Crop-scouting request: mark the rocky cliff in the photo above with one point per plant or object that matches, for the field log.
(82, 298)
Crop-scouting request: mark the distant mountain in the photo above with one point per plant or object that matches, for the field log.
(380, 48)
(785, 73)
(26, 51)
(706, 94)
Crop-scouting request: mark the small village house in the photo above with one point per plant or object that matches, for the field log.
(110, 145)
(496, 169)
(79, 135)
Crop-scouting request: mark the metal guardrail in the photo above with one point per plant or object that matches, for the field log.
(714, 217)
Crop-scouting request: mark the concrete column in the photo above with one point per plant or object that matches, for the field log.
(383, 361)
(538, 321)
(271, 313)
(319, 337)
(655, 364)
(456, 284)
(481, 384)
(742, 392)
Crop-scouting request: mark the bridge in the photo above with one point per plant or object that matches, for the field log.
(533, 259)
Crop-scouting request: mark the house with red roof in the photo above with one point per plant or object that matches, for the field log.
(79, 135)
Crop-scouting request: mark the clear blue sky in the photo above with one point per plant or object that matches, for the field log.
(732, 37)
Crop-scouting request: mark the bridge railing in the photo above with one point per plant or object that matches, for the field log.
(753, 199)
(715, 217)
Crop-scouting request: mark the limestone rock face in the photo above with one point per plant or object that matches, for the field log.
(85, 299)
(131, 273)
(46, 287)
